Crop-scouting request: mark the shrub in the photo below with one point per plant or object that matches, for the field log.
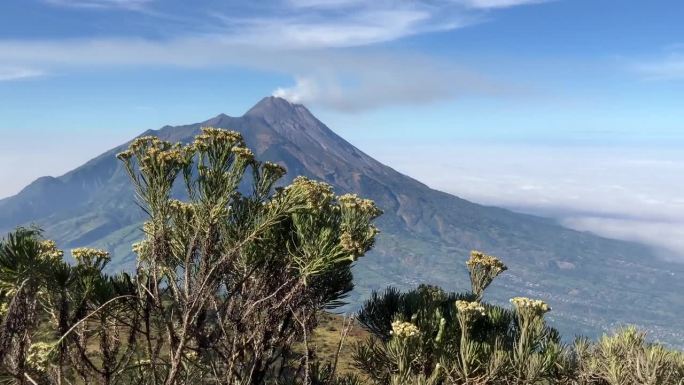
(230, 282)
(429, 337)
(226, 282)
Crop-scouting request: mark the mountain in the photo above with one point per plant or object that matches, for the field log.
(593, 283)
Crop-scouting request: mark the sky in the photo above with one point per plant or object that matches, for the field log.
(566, 108)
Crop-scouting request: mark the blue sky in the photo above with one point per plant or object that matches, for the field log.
(552, 70)
(589, 88)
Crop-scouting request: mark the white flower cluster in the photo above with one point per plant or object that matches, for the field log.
(216, 138)
(140, 248)
(365, 206)
(184, 209)
(535, 306)
(87, 256)
(49, 251)
(481, 260)
(211, 136)
(317, 195)
(403, 329)
(243, 153)
(274, 169)
(470, 309)
(351, 245)
(157, 157)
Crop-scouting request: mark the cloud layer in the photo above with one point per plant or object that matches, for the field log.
(16, 73)
(318, 43)
(632, 194)
(132, 5)
(348, 80)
(490, 4)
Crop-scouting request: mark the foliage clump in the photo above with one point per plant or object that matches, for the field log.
(232, 275)
(464, 341)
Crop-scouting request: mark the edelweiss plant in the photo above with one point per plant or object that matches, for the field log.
(231, 274)
(232, 277)
(483, 269)
(72, 329)
(404, 330)
(462, 340)
(626, 357)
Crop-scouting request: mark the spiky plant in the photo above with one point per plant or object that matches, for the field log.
(25, 266)
(228, 281)
(59, 312)
(461, 340)
(627, 358)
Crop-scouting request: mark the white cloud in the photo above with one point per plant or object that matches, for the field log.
(668, 68)
(313, 24)
(325, 3)
(348, 80)
(101, 4)
(16, 73)
(303, 24)
(317, 42)
(666, 237)
(633, 194)
(305, 89)
(490, 4)
(367, 28)
(358, 82)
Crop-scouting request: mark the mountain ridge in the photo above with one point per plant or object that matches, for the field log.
(426, 233)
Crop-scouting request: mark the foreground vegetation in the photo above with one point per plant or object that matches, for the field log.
(232, 282)
(428, 336)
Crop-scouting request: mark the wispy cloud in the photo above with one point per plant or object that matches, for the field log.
(310, 24)
(101, 4)
(15, 73)
(491, 4)
(325, 3)
(667, 68)
(304, 24)
(356, 30)
(317, 42)
(358, 82)
(346, 80)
